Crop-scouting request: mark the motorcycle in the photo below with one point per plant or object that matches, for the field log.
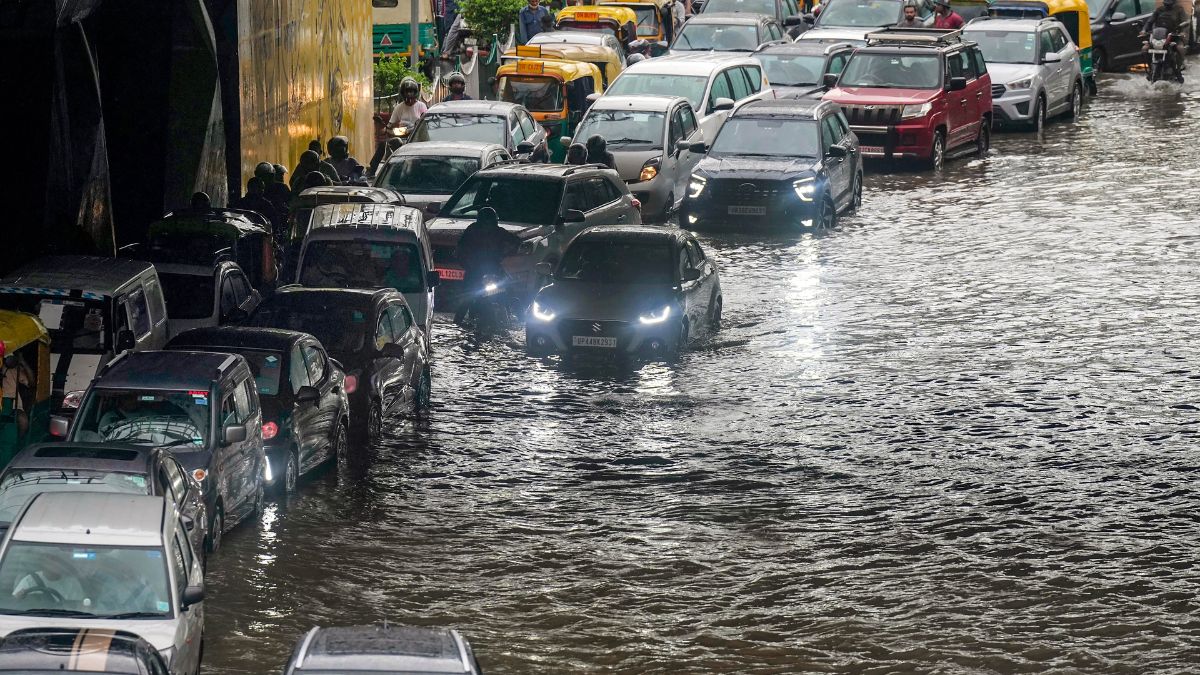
(489, 307)
(1160, 47)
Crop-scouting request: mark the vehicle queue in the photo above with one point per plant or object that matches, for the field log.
(224, 358)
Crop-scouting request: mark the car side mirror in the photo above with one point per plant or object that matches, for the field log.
(233, 433)
(661, 44)
(792, 21)
(837, 151)
(432, 279)
(543, 268)
(1118, 16)
(682, 145)
(691, 274)
(699, 147)
(958, 83)
(189, 523)
(1052, 57)
(193, 595)
(830, 80)
(392, 350)
(524, 148)
(592, 98)
(573, 216)
(308, 394)
(125, 341)
(59, 426)
(722, 104)
(433, 208)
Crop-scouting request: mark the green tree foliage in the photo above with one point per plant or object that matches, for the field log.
(390, 71)
(490, 17)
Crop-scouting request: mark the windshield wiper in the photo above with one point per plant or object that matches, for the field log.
(189, 441)
(50, 611)
(133, 615)
(628, 140)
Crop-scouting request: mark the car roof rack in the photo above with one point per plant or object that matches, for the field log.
(581, 167)
(933, 37)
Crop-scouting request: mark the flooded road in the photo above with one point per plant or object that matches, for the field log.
(957, 434)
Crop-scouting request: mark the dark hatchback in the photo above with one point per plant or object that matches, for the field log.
(798, 69)
(102, 467)
(372, 334)
(79, 650)
(783, 163)
(306, 414)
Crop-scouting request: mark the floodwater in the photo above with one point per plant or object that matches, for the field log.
(956, 434)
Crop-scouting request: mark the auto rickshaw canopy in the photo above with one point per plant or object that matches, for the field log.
(1072, 13)
(591, 17)
(18, 330)
(606, 59)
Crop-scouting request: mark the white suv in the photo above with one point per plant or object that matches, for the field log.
(106, 561)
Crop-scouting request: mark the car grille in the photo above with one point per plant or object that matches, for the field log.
(872, 140)
(738, 191)
(997, 90)
(571, 327)
(872, 116)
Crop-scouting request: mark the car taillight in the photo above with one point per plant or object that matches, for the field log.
(199, 475)
(73, 399)
(351, 384)
(270, 429)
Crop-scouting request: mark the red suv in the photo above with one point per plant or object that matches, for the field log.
(916, 93)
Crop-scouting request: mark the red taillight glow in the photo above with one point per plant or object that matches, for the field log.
(270, 429)
(351, 384)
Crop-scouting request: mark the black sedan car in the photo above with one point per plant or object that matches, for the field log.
(306, 415)
(372, 334)
(103, 467)
(79, 650)
(797, 69)
(626, 290)
(782, 163)
(506, 124)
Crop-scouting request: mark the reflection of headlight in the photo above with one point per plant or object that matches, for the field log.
(73, 399)
(199, 475)
(806, 188)
(696, 186)
(529, 245)
(491, 287)
(267, 475)
(1021, 84)
(909, 112)
(649, 169)
(541, 313)
(657, 316)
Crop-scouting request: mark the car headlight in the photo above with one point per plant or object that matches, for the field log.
(915, 110)
(806, 188)
(696, 185)
(530, 245)
(1021, 84)
(541, 313)
(650, 169)
(657, 316)
(73, 398)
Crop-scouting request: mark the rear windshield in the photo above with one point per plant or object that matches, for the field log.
(710, 36)
(1000, 46)
(789, 70)
(428, 175)
(537, 94)
(690, 87)
(617, 262)
(159, 418)
(750, 6)
(362, 264)
(188, 296)
(892, 71)
(20, 485)
(339, 328)
(516, 200)
(78, 326)
(856, 13)
(461, 127)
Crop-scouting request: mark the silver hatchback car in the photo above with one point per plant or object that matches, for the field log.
(382, 650)
(107, 561)
(1035, 69)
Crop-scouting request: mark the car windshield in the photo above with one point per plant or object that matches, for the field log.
(355, 263)
(20, 485)
(772, 137)
(188, 296)
(516, 199)
(1095, 7)
(854, 13)
(716, 37)
(341, 329)
(892, 71)
(77, 326)
(617, 262)
(791, 70)
(751, 6)
(538, 94)
(1001, 46)
(428, 175)
(690, 87)
(625, 127)
(461, 127)
(647, 20)
(82, 580)
(160, 418)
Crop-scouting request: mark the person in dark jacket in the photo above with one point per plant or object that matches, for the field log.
(576, 154)
(256, 200)
(597, 152)
(276, 189)
(1172, 17)
(481, 251)
(340, 159)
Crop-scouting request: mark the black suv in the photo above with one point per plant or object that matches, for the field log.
(782, 163)
(372, 334)
(306, 416)
(202, 406)
(798, 69)
(545, 205)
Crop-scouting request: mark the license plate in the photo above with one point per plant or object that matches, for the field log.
(747, 210)
(592, 341)
(871, 149)
(450, 274)
(1158, 51)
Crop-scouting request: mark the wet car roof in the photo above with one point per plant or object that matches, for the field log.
(810, 48)
(380, 649)
(728, 18)
(273, 339)
(378, 195)
(94, 456)
(299, 296)
(174, 370)
(446, 149)
(628, 232)
(88, 273)
(651, 102)
(689, 63)
(783, 107)
(55, 649)
(473, 107)
(92, 517)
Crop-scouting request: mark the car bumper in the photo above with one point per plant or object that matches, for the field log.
(616, 338)
(787, 211)
(277, 451)
(907, 141)
(1014, 106)
(652, 194)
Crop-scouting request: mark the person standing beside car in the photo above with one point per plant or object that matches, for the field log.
(945, 17)
(910, 19)
(529, 20)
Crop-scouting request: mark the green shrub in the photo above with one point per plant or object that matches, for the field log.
(390, 71)
(490, 17)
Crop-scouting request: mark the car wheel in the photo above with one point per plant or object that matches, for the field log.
(215, 530)
(260, 501)
(375, 422)
(714, 316)
(1076, 102)
(676, 350)
(1037, 123)
(1099, 61)
(984, 141)
(937, 151)
(856, 194)
(828, 217)
(668, 206)
(424, 393)
(340, 443)
(291, 474)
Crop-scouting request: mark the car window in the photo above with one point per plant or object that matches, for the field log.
(753, 78)
(527, 126)
(175, 474)
(842, 120)
(229, 299)
(139, 313)
(837, 62)
(401, 318)
(695, 254)
(739, 86)
(181, 541)
(154, 295)
(605, 191)
(579, 197)
(249, 385)
(829, 134)
(241, 287)
(689, 121)
(314, 359)
(1127, 7)
(229, 413)
(977, 61)
(180, 567)
(297, 370)
(840, 127)
(1059, 40)
(683, 262)
(1047, 43)
(720, 89)
(383, 331)
(957, 65)
(773, 32)
(165, 481)
(515, 131)
(241, 399)
(790, 8)
(676, 129)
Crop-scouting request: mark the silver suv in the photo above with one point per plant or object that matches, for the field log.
(1034, 67)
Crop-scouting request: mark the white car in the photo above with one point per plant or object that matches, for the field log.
(199, 296)
(105, 561)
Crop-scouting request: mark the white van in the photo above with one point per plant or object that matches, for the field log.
(713, 82)
(371, 246)
(95, 308)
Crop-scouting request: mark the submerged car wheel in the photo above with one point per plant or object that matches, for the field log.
(215, 530)
(291, 474)
(338, 450)
(1099, 61)
(984, 141)
(937, 151)
(828, 217)
(1037, 123)
(856, 194)
(260, 501)
(424, 392)
(375, 422)
(714, 316)
(1075, 109)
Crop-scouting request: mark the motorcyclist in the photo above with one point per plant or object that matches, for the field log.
(481, 250)
(309, 161)
(339, 157)
(276, 191)
(457, 83)
(410, 108)
(1172, 17)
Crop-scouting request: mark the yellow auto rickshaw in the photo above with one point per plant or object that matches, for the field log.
(653, 21)
(24, 383)
(621, 21)
(605, 58)
(554, 91)
(1073, 14)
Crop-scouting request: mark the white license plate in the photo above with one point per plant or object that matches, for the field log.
(747, 210)
(1158, 51)
(871, 149)
(592, 341)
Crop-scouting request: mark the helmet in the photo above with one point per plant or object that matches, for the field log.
(1168, 3)
(456, 78)
(488, 215)
(338, 142)
(409, 86)
(264, 170)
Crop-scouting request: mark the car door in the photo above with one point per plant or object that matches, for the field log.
(228, 462)
(960, 108)
(704, 285)
(1068, 65)
(305, 427)
(320, 374)
(689, 291)
(388, 371)
(247, 454)
(189, 500)
(408, 338)
(687, 159)
(712, 120)
(1124, 24)
(836, 168)
(187, 571)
